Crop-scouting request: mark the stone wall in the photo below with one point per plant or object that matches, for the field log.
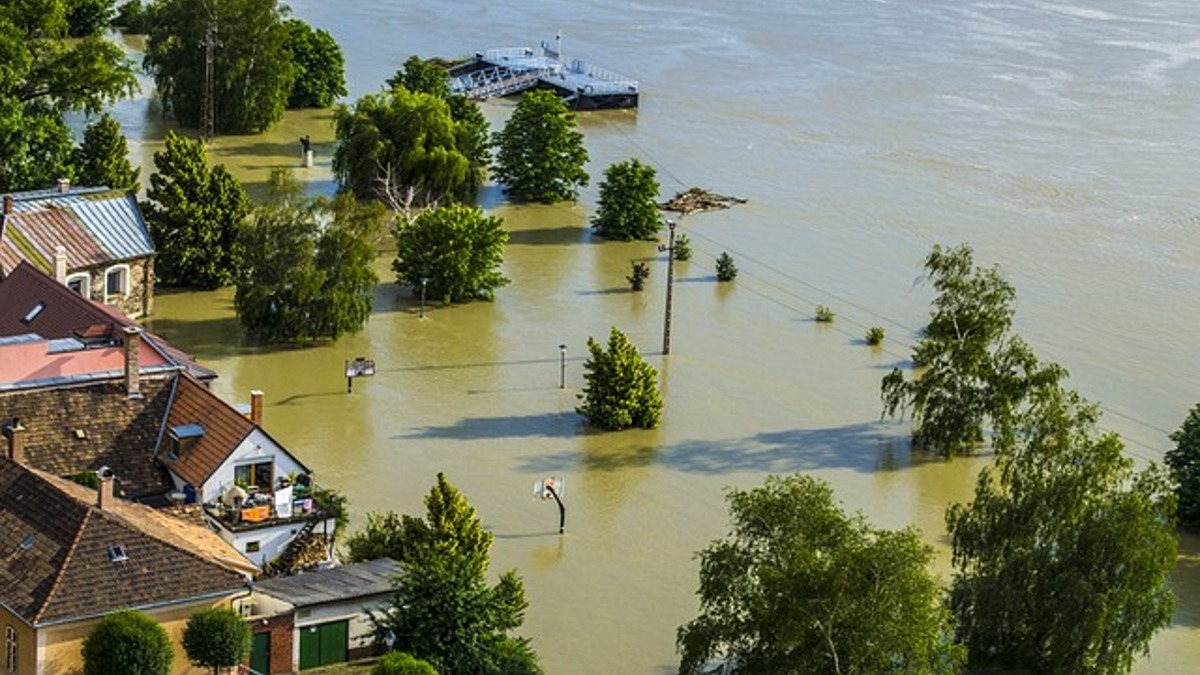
(140, 300)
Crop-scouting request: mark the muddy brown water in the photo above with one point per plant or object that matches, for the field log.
(1056, 138)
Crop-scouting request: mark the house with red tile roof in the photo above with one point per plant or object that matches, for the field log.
(115, 396)
(72, 556)
(92, 240)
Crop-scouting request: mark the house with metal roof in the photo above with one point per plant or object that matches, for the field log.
(93, 240)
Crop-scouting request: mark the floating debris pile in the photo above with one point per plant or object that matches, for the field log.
(699, 200)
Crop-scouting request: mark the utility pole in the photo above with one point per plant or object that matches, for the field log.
(208, 117)
(670, 249)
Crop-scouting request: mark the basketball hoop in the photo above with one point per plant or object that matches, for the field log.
(552, 487)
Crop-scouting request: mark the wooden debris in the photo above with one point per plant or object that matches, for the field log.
(699, 200)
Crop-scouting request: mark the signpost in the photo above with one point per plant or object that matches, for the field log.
(359, 367)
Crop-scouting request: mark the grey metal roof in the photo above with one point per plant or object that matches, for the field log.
(348, 582)
(117, 224)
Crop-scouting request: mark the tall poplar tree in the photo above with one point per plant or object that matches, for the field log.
(103, 157)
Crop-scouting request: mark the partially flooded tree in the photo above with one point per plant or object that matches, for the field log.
(103, 157)
(622, 388)
(972, 370)
(1062, 558)
(540, 152)
(799, 586)
(1184, 463)
(456, 250)
(628, 207)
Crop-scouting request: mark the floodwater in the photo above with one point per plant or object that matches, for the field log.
(1055, 137)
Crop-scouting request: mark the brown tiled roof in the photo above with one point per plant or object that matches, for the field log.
(68, 314)
(224, 429)
(116, 431)
(56, 566)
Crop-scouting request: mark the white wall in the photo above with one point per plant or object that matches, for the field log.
(272, 540)
(256, 447)
(361, 632)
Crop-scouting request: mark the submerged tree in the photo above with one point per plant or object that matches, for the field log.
(254, 77)
(103, 158)
(628, 207)
(622, 388)
(320, 66)
(1184, 463)
(1062, 558)
(973, 370)
(442, 609)
(194, 213)
(801, 587)
(302, 280)
(454, 252)
(540, 152)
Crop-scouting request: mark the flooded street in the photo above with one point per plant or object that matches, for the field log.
(1057, 139)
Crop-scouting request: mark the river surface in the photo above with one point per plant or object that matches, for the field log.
(1057, 138)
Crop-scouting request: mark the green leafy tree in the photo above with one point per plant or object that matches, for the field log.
(1183, 461)
(628, 207)
(450, 527)
(194, 213)
(300, 281)
(398, 141)
(973, 369)
(442, 609)
(88, 17)
(320, 66)
(253, 72)
(41, 77)
(419, 75)
(622, 388)
(402, 663)
(134, 17)
(217, 638)
(129, 643)
(799, 586)
(103, 158)
(456, 248)
(540, 152)
(1062, 559)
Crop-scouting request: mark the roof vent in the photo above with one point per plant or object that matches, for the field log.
(27, 542)
(117, 554)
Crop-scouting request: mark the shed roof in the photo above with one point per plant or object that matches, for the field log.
(348, 582)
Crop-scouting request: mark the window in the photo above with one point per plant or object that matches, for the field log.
(116, 280)
(255, 475)
(252, 547)
(33, 313)
(10, 649)
(81, 283)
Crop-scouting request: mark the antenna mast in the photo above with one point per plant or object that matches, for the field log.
(208, 117)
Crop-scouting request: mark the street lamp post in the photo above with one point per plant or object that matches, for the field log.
(424, 283)
(562, 366)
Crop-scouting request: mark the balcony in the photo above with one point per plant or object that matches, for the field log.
(260, 508)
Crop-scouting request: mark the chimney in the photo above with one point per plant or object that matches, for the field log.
(256, 397)
(104, 493)
(60, 264)
(132, 374)
(64, 185)
(15, 433)
(8, 204)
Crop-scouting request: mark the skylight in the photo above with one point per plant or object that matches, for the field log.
(33, 313)
(117, 554)
(27, 542)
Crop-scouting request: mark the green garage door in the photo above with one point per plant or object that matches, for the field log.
(324, 644)
(260, 654)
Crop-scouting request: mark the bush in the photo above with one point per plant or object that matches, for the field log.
(683, 248)
(874, 336)
(129, 643)
(726, 270)
(824, 314)
(216, 637)
(402, 663)
(637, 279)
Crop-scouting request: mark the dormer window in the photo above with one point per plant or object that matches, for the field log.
(183, 437)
